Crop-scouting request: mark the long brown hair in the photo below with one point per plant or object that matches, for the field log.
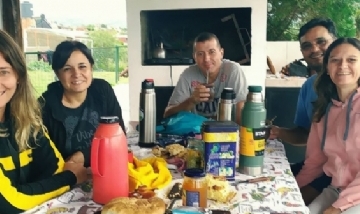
(24, 107)
(324, 86)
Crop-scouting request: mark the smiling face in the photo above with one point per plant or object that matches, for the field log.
(8, 82)
(344, 66)
(313, 46)
(76, 75)
(208, 55)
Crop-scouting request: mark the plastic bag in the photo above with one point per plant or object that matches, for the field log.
(181, 124)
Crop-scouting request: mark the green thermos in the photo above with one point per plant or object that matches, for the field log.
(252, 133)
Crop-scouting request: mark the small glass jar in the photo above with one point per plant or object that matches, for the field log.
(195, 154)
(194, 188)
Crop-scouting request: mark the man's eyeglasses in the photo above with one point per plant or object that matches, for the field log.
(320, 42)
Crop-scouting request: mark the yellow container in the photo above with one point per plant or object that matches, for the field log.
(221, 146)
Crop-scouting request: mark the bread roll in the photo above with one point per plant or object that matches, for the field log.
(219, 189)
(124, 205)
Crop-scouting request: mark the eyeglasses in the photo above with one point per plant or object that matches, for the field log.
(320, 42)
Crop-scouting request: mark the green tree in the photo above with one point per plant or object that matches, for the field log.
(357, 21)
(286, 16)
(105, 52)
(90, 27)
(104, 38)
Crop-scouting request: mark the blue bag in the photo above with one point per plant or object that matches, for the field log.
(181, 124)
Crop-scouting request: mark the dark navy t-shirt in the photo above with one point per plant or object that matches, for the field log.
(80, 124)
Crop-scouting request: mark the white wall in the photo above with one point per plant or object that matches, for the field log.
(255, 73)
(1, 17)
(282, 53)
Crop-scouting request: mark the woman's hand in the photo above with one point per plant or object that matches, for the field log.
(332, 210)
(77, 157)
(78, 169)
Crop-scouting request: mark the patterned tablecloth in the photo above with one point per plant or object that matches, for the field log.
(279, 195)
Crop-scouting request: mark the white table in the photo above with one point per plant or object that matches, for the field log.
(280, 195)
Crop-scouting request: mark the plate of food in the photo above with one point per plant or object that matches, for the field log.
(220, 193)
(131, 205)
(141, 200)
(179, 156)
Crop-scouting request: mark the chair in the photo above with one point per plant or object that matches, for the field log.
(163, 94)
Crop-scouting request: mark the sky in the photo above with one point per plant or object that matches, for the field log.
(110, 12)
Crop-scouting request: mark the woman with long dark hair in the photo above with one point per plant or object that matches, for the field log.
(333, 145)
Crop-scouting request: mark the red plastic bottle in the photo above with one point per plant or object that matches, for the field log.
(109, 161)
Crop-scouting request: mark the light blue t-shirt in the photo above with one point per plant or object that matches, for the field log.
(304, 109)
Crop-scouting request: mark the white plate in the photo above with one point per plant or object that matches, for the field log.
(162, 193)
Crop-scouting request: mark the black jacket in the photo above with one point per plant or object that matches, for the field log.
(100, 98)
(30, 177)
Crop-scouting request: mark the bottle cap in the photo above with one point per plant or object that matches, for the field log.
(147, 84)
(194, 173)
(227, 94)
(255, 88)
(109, 119)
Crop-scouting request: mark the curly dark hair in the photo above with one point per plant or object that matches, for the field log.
(324, 86)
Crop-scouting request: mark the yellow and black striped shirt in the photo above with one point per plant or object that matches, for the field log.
(30, 177)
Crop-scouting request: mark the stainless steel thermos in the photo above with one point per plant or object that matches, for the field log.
(147, 114)
(226, 106)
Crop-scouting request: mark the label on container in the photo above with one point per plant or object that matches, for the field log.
(187, 210)
(252, 141)
(237, 153)
(220, 153)
(192, 198)
(220, 137)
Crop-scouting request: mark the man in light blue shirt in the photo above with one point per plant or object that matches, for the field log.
(307, 95)
(314, 37)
